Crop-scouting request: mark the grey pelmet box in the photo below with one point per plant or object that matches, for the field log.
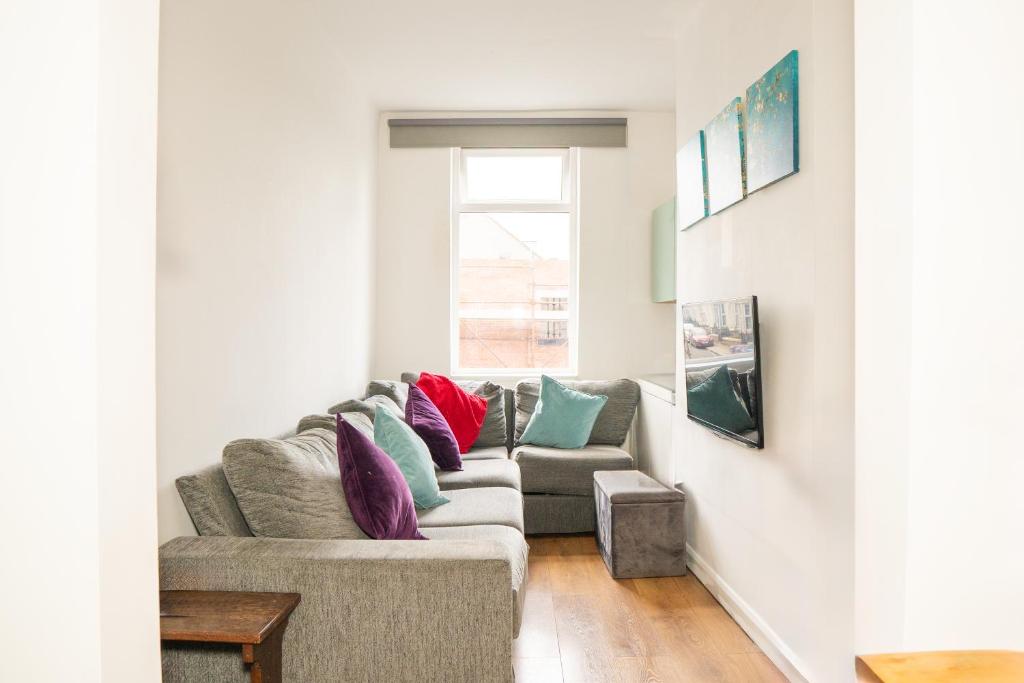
(640, 525)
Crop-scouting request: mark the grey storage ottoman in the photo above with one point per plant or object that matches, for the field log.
(640, 525)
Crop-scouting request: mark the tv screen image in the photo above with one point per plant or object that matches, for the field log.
(723, 368)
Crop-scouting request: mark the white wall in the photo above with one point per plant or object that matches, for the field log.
(772, 529)
(622, 334)
(265, 245)
(952, 521)
(885, 114)
(126, 331)
(77, 231)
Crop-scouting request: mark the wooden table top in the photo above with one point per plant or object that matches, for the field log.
(223, 617)
(975, 666)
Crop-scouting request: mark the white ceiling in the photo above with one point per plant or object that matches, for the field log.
(518, 55)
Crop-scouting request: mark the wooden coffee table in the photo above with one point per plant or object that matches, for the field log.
(256, 621)
(975, 666)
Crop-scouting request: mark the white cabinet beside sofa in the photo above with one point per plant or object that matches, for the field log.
(654, 427)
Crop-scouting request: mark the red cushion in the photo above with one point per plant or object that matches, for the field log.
(463, 411)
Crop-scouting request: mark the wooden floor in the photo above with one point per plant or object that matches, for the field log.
(581, 625)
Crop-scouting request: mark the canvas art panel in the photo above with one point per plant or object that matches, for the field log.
(723, 139)
(691, 182)
(772, 125)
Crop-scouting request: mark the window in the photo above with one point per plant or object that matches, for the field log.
(514, 261)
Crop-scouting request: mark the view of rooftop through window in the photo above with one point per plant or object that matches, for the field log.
(513, 223)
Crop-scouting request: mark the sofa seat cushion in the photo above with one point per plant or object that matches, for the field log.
(515, 549)
(492, 453)
(478, 474)
(468, 507)
(567, 471)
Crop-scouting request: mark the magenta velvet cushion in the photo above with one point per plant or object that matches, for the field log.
(377, 493)
(426, 420)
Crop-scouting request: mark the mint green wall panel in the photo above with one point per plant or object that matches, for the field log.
(663, 253)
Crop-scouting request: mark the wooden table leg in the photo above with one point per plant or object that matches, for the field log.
(264, 660)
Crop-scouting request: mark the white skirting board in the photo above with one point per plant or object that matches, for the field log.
(749, 620)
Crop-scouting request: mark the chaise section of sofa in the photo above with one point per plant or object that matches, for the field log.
(557, 483)
(442, 609)
(434, 610)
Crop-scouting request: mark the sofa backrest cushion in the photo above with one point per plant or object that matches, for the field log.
(612, 423)
(290, 488)
(368, 406)
(396, 391)
(494, 431)
(210, 503)
(326, 422)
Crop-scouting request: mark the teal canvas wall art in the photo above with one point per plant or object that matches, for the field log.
(723, 139)
(691, 182)
(772, 125)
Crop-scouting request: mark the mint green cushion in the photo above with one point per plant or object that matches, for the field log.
(563, 417)
(412, 457)
(715, 401)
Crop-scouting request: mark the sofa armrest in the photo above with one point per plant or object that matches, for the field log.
(370, 610)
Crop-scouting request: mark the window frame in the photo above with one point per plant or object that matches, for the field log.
(568, 204)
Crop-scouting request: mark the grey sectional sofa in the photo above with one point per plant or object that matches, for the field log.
(443, 610)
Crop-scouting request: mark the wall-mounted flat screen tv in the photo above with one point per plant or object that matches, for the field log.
(721, 347)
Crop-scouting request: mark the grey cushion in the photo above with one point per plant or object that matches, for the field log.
(327, 422)
(368, 406)
(502, 506)
(478, 474)
(567, 470)
(494, 431)
(516, 550)
(612, 423)
(492, 453)
(290, 488)
(210, 503)
(396, 391)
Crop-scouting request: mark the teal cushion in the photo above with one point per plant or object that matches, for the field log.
(715, 401)
(412, 457)
(563, 417)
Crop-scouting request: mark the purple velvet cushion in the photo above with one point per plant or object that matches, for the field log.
(426, 420)
(377, 493)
